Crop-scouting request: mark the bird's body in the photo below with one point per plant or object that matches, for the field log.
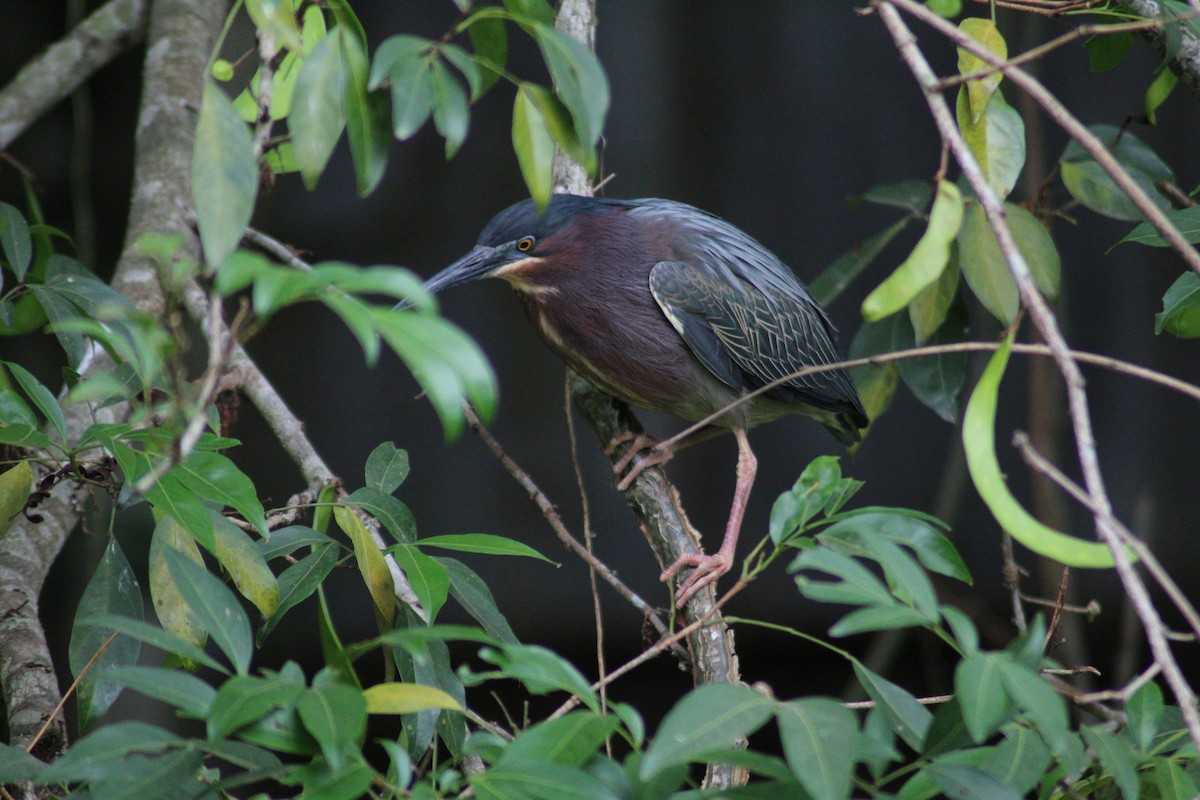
(672, 309)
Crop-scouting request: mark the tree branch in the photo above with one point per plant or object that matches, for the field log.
(65, 65)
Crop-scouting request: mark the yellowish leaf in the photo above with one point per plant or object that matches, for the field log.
(406, 698)
(371, 564)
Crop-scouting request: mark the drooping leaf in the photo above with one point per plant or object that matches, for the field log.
(984, 268)
(878, 618)
(1145, 711)
(708, 719)
(853, 584)
(1187, 220)
(406, 698)
(539, 779)
(534, 147)
(15, 240)
(1107, 51)
(106, 748)
(16, 484)
(244, 699)
(1088, 183)
(909, 718)
(876, 383)
(935, 380)
(367, 120)
(451, 114)
(579, 80)
(298, 582)
(997, 140)
(981, 696)
(474, 596)
(1116, 756)
(926, 261)
(371, 565)
(391, 513)
(818, 738)
(1172, 782)
(838, 275)
(412, 94)
(387, 467)
(1037, 700)
(490, 43)
(336, 716)
(979, 441)
(41, 397)
(112, 589)
(240, 557)
(980, 90)
(1157, 93)
(426, 576)
(215, 477)
(928, 310)
(224, 175)
(176, 687)
(1181, 308)
(156, 637)
(216, 608)
(318, 108)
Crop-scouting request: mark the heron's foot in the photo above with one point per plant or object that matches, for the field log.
(705, 570)
(655, 455)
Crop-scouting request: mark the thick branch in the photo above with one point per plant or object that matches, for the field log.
(1187, 60)
(181, 34)
(59, 71)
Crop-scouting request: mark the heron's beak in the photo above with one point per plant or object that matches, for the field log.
(478, 263)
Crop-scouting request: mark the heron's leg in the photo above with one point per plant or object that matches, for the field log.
(656, 453)
(707, 569)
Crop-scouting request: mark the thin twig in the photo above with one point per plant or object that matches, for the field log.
(861, 705)
(71, 690)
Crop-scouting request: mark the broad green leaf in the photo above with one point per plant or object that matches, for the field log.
(285, 541)
(357, 316)
(969, 783)
(426, 576)
(541, 670)
(1090, 184)
(807, 497)
(277, 19)
(838, 275)
(371, 565)
(392, 53)
(406, 698)
(41, 397)
(318, 108)
(1037, 246)
(171, 498)
(412, 94)
(709, 718)
(819, 737)
(486, 543)
(451, 114)
(1116, 756)
(997, 140)
(911, 195)
(214, 477)
(1040, 703)
(1181, 308)
(964, 630)
(387, 467)
(367, 119)
(579, 81)
(926, 261)
(1172, 782)
(113, 589)
(570, 740)
(244, 699)
(1187, 220)
(538, 780)
(18, 765)
(490, 43)
(931, 547)
(299, 581)
(909, 718)
(216, 608)
(16, 484)
(979, 441)
(175, 687)
(1021, 760)
(323, 782)
(928, 310)
(105, 749)
(1157, 93)
(240, 557)
(1106, 51)
(474, 596)
(155, 637)
(531, 11)
(391, 513)
(534, 147)
(174, 614)
(1145, 711)
(878, 618)
(855, 585)
(981, 696)
(984, 267)
(464, 62)
(336, 716)
(15, 241)
(906, 580)
(224, 175)
(875, 384)
(935, 380)
(979, 91)
(26, 436)
(173, 774)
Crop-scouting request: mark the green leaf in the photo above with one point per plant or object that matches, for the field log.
(926, 261)
(412, 94)
(387, 467)
(1181, 308)
(876, 384)
(928, 310)
(1116, 756)
(406, 698)
(932, 548)
(175, 687)
(113, 589)
(984, 267)
(1187, 220)
(367, 118)
(1106, 51)
(276, 19)
(1172, 782)
(935, 380)
(215, 607)
(1036, 700)
(1037, 246)
(299, 581)
(426, 576)
(709, 718)
(285, 541)
(531, 11)
(579, 80)
(16, 484)
(819, 737)
(393, 514)
(474, 596)
(570, 740)
(336, 716)
(244, 699)
(1158, 92)
(486, 543)
(534, 147)
(997, 140)
(105, 749)
(319, 108)
(171, 775)
(969, 783)
(808, 497)
(214, 477)
(1090, 184)
(1021, 760)
(392, 53)
(878, 618)
(41, 397)
(979, 91)
(156, 637)
(1144, 711)
(855, 585)
(912, 196)
(909, 718)
(17, 765)
(240, 557)
(224, 175)
(464, 62)
(979, 441)
(537, 780)
(490, 43)
(838, 275)
(371, 565)
(963, 628)
(541, 670)
(451, 114)
(981, 696)
(15, 241)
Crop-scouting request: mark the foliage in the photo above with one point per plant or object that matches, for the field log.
(224, 571)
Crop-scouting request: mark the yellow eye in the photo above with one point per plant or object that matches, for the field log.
(525, 244)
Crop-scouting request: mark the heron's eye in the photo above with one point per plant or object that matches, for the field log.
(525, 244)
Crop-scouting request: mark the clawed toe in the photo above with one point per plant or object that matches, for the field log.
(705, 570)
(639, 443)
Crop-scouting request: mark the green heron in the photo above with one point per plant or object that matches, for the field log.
(672, 309)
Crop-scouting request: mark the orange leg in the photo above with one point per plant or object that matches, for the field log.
(706, 569)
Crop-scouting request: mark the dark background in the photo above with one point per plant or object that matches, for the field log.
(772, 115)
